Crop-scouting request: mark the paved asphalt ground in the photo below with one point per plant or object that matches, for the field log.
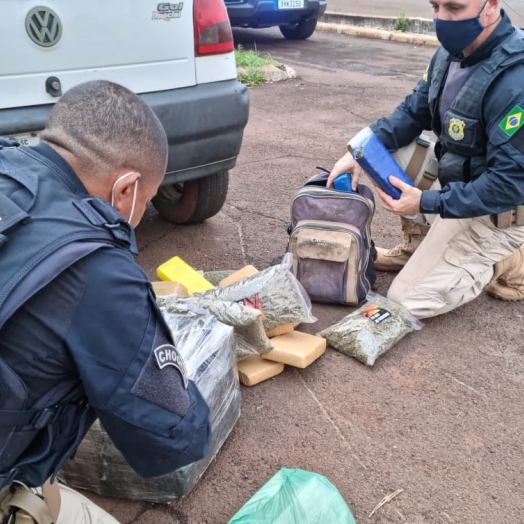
(412, 8)
(440, 416)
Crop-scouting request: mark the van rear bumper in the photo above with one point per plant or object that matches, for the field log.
(204, 126)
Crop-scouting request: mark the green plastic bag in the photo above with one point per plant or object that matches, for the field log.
(294, 496)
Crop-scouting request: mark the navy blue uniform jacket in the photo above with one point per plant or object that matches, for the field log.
(98, 321)
(499, 188)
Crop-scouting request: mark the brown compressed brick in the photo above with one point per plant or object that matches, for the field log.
(284, 329)
(296, 349)
(254, 369)
(164, 288)
(246, 271)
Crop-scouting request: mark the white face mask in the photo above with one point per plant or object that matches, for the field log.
(134, 192)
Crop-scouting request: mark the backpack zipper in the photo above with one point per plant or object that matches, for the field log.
(320, 191)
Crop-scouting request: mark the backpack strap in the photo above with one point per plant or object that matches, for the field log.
(32, 280)
(10, 216)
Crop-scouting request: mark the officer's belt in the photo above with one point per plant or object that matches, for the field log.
(418, 158)
(513, 217)
(17, 500)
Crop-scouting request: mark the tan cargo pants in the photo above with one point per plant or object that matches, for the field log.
(70, 506)
(455, 261)
(453, 264)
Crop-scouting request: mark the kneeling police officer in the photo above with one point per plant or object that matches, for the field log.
(78, 321)
(472, 98)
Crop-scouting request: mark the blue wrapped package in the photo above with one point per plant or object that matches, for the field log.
(343, 182)
(378, 163)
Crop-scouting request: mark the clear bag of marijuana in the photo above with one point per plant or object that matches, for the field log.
(250, 336)
(371, 330)
(281, 296)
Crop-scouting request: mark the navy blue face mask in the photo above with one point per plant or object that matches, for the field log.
(457, 35)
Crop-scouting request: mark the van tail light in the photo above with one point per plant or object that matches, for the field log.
(213, 33)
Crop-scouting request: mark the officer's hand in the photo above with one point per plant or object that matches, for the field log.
(347, 164)
(407, 204)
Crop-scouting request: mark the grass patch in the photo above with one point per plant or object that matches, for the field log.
(252, 77)
(251, 61)
(401, 23)
(253, 58)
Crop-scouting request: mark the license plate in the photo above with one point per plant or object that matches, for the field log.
(291, 4)
(27, 139)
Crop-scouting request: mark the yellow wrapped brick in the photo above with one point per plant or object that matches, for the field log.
(176, 270)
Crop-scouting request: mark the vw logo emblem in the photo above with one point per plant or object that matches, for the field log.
(43, 26)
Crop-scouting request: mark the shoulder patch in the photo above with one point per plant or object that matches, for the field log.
(168, 355)
(513, 121)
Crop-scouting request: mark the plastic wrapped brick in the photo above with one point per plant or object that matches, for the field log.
(207, 348)
(294, 496)
(282, 298)
(250, 336)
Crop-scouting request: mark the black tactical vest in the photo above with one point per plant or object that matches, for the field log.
(462, 144)
(45, 227)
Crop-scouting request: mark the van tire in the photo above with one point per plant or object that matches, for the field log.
(193, 201)
(300, 31)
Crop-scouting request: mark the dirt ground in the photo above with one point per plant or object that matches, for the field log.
(440, 416)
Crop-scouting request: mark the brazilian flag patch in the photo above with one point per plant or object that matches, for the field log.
(513, 121)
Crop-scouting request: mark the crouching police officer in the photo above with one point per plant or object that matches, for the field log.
(472, 97)
(80, 331)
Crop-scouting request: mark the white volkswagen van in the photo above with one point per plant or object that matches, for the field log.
(179, 57)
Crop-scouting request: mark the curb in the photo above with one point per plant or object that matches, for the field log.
(420, 31)
(272, 73)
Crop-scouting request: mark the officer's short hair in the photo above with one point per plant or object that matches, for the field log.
(107, 127)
